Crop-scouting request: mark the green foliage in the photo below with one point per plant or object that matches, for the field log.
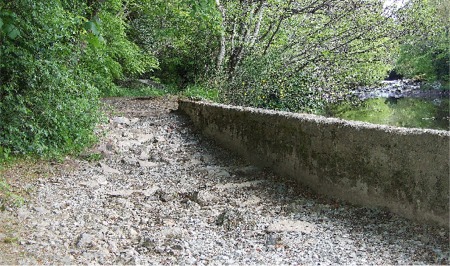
(57, 60)
(47, 106)
(58, 57)
(201, 92)
(425, 53)
(7, 196)
(144, 91)
(425, 60)
(182, 34)
(264, 83)
(7, 24)
(131, 59)
(111, 55)
(285, 54)
(5, 154)
(273, 53)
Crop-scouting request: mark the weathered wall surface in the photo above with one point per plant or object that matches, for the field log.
(405, 170)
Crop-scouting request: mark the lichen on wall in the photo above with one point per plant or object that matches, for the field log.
(405, 170)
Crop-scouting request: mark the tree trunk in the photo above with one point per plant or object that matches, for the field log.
(221, 54)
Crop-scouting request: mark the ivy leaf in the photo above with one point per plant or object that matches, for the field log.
(91, 27)
(12, 32)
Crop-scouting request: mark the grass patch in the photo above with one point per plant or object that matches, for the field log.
(17, 182)
(91, 157)
(18, 175)
(8, 197)
(139, 92)
(10, 240)
(199, 92)
(139, 89)
(136, 88)
(11, 252)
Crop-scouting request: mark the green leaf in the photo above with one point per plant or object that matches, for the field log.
(11, 31)
(1, 23)
(91, 27)
(94, 41)
(14, 33)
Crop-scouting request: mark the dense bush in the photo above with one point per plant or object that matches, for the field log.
(64, 55)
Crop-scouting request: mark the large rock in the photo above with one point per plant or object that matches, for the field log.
(291, 226)
(121, 120)
(142, 138)
(147, 164)
(108, 170)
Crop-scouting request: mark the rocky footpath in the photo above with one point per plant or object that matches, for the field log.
(162, 194)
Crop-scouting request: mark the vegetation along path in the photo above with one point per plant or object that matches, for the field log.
(162, 194)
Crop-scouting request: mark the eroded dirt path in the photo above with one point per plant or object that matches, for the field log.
(162, 194)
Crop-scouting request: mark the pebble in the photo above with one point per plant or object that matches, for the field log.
(41, 210)
(108, 170)
(146, 164)
(144, 156)
(121, 120)
(85, 241)
(102, 180)
(291, 226)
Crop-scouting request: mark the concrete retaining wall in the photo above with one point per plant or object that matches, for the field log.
(405, 170)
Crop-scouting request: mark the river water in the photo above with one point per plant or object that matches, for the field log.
(398, 103)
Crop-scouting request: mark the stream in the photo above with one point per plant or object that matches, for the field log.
(398, 103)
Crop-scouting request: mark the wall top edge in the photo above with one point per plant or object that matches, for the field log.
(323, 120)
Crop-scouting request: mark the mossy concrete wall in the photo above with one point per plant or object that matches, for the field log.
(405, 170)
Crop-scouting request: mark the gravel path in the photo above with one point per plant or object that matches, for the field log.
(162, 194)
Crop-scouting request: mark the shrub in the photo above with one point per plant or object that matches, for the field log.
(57, 58)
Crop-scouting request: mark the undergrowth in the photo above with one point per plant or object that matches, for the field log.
(193, 91)
(7, 195)
(146, 91)
(200, 92)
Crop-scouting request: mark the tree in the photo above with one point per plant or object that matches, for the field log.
(282, 49)
(424, 51)
(303, 31)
